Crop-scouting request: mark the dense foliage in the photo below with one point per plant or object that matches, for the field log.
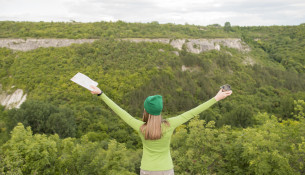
(63, 129)
(119, 29)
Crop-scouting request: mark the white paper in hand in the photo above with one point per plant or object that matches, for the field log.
(84, 81)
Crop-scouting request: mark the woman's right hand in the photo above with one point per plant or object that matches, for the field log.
(96, 90)
(222, 94)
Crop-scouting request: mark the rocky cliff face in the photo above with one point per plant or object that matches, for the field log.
(192, 45)
(30, 44)
(13, 100)
(199, 45)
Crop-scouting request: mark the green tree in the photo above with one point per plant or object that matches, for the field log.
(299, 109)
(227, 27)
(62, 123)
(298, 158)
(4, 136)
(91, 158)
(43, 118)
(239, 116)
(28, 154)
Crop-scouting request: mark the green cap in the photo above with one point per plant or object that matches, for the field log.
(153, 104)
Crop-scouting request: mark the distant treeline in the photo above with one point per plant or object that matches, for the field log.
(119, 29)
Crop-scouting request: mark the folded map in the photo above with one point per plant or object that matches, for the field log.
(84, 81)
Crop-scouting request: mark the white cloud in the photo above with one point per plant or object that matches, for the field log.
(238, 12)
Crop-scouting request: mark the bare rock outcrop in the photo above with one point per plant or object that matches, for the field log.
(138, 40)
(190, 69)
(30, 44)
(178, 43)
(202, 45)
(249, 61)
(192, 45)
(13, 100)
(198, 45)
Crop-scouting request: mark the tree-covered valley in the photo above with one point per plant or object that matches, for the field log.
(63, 129)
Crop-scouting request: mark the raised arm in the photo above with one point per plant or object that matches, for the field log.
(180, 119)
(131, 121)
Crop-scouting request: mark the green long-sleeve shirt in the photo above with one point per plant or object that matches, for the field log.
(156, 153)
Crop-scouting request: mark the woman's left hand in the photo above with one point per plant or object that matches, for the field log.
(222, 94)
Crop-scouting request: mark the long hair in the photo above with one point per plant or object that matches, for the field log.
(151, 129)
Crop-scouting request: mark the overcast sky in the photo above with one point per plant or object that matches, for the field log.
(198, 12)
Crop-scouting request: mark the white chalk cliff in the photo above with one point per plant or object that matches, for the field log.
(199, 45)
(192, 45)
(31, 44)
(13, 100)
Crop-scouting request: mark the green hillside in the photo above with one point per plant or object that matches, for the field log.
(258, 130)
